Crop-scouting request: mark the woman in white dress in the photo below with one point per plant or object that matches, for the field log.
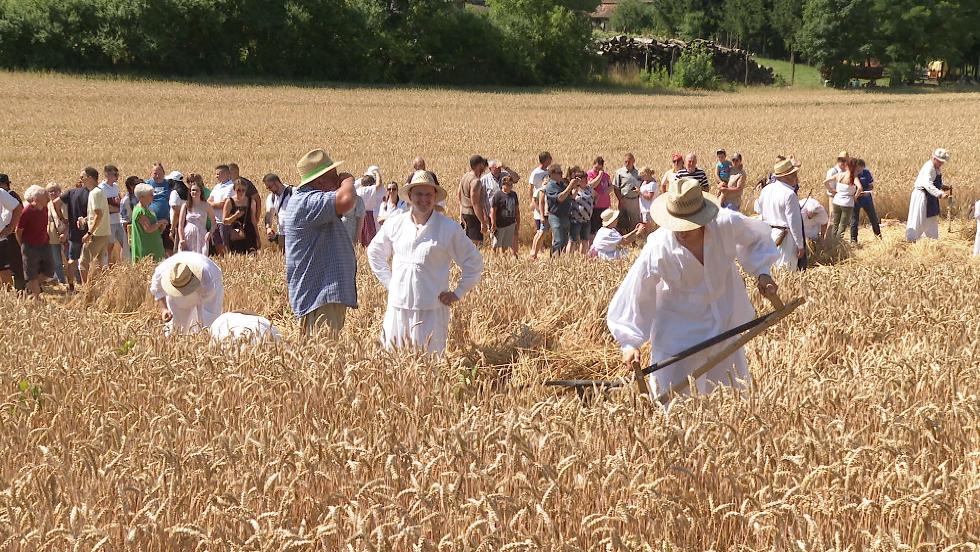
(924, 204)
(194, 218)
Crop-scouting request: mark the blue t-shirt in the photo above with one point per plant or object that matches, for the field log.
(725, 169)
(560, 209)
(320, 263)
(161, 198)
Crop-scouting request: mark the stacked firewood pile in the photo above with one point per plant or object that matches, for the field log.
(653, 54)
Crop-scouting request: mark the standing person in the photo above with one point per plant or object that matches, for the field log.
(237, 215)
(320, 265)
(95, 241)
(608, 242)
(74, 203)
(844, 186)
(601, 183)
(255, 207)
(58, 233)
(626, 188)
(780, 208)
(161, 203)
(583, 198)
(865, 201)
(32, 233)
(146, 232)
(505, 217)
(188, 291)
(119, 244)
(392, 205)
(472, 201)
(178, 197)
(371, 192)
(924, 204)
(730, 192)
(195, 215)
(127, 203)
(723, 168)
(493, 180)
(274, 202)
(685, 287)
(354, 222)
(839, 167)
(676, 165)
(538, 179)
(411, 257)
(691, 170)
(11, 258)
(223, 189)
(649, 190)
(558, 198)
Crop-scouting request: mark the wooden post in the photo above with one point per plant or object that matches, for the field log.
(792, 67)
(746, 67)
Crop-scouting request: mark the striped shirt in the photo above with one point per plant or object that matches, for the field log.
(696, 174)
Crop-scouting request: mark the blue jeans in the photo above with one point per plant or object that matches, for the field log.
(560, 230)
(59, 266)
(869, 208)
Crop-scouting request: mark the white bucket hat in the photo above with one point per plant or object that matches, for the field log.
(941, 154)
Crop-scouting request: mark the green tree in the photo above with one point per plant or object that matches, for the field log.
(744, 19)
(785, 19)
(835, 32)
(632, 16)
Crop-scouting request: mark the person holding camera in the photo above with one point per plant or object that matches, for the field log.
(274, 202)
(559, 203)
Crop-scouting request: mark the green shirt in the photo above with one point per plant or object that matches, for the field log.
(145, 244)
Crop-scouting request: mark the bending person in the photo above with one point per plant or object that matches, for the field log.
(411, 256)
(685, 287)
(188, 290)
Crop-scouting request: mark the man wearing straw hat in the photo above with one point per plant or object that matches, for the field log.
(411, 256)
(320, 264)
(924, 204)
(188, 291)
(685, 287)
(780, 208)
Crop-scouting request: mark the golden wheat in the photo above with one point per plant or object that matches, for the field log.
(861, 430)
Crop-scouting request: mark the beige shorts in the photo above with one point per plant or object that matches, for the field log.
(94, 249)
(503, 238)
(331, 315)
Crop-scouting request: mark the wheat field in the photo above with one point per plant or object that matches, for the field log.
(861, 431)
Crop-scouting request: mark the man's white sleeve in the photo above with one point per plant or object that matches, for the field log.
(470, 262)
(633, 307)
(380, 250)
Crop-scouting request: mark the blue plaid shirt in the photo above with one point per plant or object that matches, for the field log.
(320, 263)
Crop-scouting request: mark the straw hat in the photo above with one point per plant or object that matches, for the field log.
(609, 217)
(684, 206)
(843, 155)
(314, 164)
(941, 154)
(784, 168)
(421, 178)
(182, 279)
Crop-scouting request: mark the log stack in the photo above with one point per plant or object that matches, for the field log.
(654, 54)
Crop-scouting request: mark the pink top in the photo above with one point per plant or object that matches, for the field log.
(601, 190)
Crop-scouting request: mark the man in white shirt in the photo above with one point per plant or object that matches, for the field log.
(780, 208)
(188, 291)
(98, 233)
(411, 256)
(222, 190)
(924, 206)
(119, 242)
(685, 287)
(278, 197)
(11, 261)
(537, 179)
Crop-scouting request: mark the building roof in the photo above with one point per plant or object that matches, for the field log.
(607, 7)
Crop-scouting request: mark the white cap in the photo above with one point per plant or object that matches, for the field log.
(175, 175)
(941, 154)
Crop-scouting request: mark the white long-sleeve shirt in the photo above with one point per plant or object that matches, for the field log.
(926, 179)
(814, 217)
(197, 311)
(412, 261)
(781, 207)
(673, 301)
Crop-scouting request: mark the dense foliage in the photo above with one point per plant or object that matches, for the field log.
(426, 41)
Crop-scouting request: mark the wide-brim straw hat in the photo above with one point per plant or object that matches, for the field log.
(941, 155)
(314, 164)
(183, 278)
(843, 155)
(684, 206)
(784, 168)
(421, 178)
(609, 217)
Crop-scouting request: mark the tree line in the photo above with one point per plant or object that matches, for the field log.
(511, 42)
(832, 34)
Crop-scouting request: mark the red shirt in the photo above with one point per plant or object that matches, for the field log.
(34, 223)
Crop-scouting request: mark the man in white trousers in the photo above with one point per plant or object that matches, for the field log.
(188, 291)
(411, 257)
(684, 287)
(780, 208)
(924, 204)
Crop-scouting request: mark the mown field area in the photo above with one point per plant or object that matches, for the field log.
(862, 429)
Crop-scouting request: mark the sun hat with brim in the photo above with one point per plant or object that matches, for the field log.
(684, 206)
(314, 164)
(609, 217)
(421, 178)
(941, 155)
(182, 279)
(784, 168)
